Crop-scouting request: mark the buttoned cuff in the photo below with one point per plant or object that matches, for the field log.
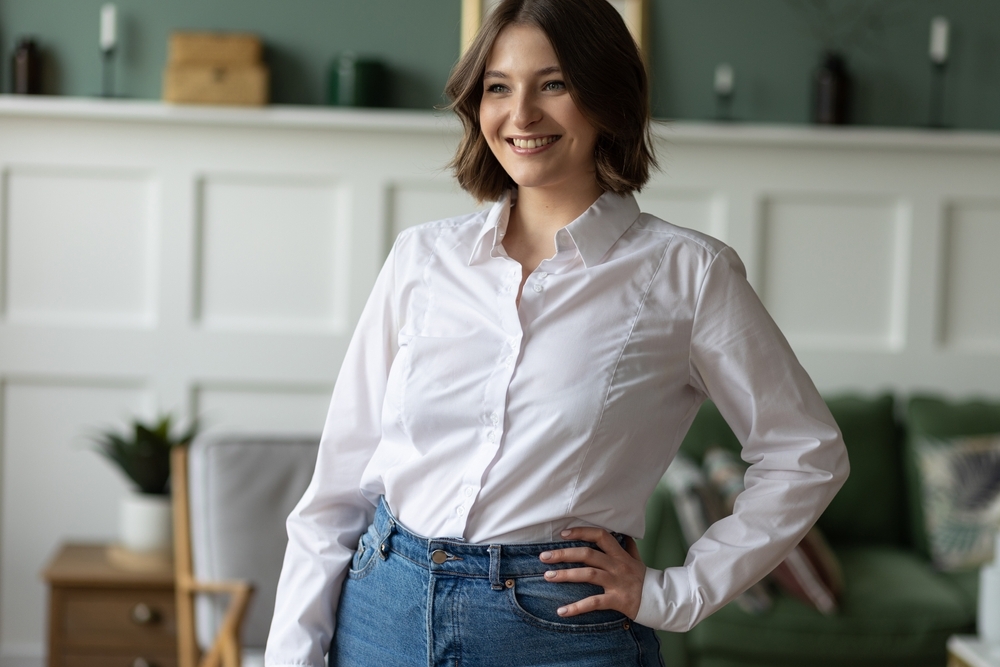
(666, 602)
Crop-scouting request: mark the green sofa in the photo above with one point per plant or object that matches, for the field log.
(896, 610)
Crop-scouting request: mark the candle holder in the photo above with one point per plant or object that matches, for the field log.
(724, 86)
(936, 103)
(108, 73)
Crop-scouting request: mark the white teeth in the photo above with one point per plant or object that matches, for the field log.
(533, 143)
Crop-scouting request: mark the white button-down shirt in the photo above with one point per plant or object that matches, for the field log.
(481, 419)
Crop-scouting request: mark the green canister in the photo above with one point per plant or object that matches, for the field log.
(357, 82)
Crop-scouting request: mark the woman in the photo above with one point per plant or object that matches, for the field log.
(521, 378)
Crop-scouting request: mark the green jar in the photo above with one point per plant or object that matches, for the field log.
(357, 82)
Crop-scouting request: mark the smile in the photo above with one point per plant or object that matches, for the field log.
(533, 143)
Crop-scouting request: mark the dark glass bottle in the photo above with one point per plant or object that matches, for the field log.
(26, 68)
(832, 92)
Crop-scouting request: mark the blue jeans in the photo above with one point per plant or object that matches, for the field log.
(410, 601)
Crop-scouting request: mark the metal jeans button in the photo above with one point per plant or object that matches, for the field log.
(439, 556)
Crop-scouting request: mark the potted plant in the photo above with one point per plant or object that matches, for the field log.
(144, 456)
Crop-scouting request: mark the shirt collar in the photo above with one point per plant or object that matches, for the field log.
(594, 232)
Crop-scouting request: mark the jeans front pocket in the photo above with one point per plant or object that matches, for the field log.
(364, 556)
(536, 600)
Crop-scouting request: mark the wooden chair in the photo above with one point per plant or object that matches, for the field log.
(231, 496)
(225, 650)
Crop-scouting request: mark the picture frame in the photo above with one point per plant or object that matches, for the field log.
(633, 11)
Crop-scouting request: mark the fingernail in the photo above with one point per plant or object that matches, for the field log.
(546, 555)
(550, 574)
(566, 533)
(561, 611)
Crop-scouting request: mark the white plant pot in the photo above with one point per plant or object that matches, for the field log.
(146, 524)
(988, 616)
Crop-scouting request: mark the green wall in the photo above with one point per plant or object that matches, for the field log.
(772, 44)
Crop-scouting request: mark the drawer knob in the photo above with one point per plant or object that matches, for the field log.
(142, 662)
(143, 614)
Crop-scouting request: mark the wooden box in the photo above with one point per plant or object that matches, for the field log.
(215, 68)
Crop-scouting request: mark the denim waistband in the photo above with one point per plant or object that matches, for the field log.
(498, 562)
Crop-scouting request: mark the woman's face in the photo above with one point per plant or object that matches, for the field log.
(528, 117)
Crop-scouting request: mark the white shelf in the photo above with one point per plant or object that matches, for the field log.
(405, 120)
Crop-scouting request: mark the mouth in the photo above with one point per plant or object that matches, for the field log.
(533, 144)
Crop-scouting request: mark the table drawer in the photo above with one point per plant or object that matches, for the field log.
(110, 618)
(134, 659)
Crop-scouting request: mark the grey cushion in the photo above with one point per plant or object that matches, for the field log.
(242, 489)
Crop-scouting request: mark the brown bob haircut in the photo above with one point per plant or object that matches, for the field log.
(603, 71)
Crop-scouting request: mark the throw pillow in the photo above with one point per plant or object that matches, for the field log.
(811, 571)
(698, 506)
(960, 485)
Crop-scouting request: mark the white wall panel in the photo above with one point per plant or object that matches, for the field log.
(414, 203)
(274, 253)
(972, 277)
(262, 409)
(55, 487)
(699, 210)
(831, 270)
(79, 247)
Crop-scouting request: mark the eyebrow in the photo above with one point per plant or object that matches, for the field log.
(497, 74)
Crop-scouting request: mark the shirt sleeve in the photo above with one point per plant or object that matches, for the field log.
(324, 527)
(796, 453)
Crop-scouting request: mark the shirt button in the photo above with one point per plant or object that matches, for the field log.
(543, 275)
(495, 418)
(460, 510)
(491, 436)
(468, 492)
(538, 288)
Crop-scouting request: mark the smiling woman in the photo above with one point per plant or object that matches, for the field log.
(521, 378)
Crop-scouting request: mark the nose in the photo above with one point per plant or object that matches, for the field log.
(526, 110)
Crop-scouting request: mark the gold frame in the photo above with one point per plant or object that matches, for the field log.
(636, 18)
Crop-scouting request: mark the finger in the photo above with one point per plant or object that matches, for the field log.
(584, 555)
(590, 575)
(593, 603)
(599, 536)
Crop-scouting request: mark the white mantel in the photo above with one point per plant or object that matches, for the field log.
(214, 261)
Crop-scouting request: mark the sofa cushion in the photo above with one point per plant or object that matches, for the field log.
(895, 610)
(871, 506)
(929, 417)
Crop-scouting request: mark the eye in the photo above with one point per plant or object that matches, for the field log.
(496, 88)
(554, 85)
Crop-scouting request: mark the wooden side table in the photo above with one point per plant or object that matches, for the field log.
(101, 615)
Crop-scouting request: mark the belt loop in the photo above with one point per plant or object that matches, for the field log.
(495, 583)
(383, 547)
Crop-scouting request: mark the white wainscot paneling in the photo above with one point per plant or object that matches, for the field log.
(700, 210)
(972, 276)
(262, 409)
(414, 203)
(55, 488)
(833, 270)
(79, 247)
(274, 253)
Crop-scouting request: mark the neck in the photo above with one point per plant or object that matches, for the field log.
(541, 212)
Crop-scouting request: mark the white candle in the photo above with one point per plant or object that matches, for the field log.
(725, 79)
(109, 26)
(939, 40)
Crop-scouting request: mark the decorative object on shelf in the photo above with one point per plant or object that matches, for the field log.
(26, 68)
(357, 82)
(940, 32)
(215, 68)
(109, 43)
(832, 91)
(841, 26)
(633, 11)
(144, 457)
(724, 86)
